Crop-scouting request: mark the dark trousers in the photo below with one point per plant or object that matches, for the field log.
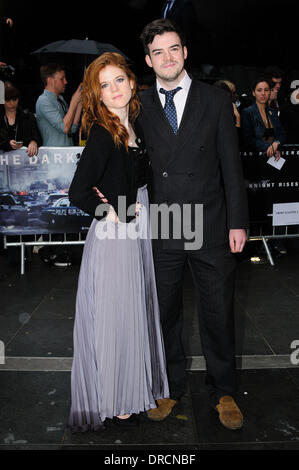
(213, 272)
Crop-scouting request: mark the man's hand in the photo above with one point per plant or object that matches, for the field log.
(9, 22)
(237, 116)
(237, 240)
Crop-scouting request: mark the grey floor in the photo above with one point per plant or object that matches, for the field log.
(36, 323)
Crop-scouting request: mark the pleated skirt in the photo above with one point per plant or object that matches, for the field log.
(119, 359)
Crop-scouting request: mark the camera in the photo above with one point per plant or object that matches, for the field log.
(6, 72)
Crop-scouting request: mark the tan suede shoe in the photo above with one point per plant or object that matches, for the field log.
(164, 408)
(229, 413)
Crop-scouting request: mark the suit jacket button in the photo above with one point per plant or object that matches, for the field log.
(190, 174)
(202, 148)
(165, 174)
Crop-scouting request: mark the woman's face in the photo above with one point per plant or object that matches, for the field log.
(11, 105)
(116, 88)
(262, 92)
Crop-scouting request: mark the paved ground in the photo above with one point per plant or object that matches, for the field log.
(36, 323)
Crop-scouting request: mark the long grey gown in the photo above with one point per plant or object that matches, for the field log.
(119, 361)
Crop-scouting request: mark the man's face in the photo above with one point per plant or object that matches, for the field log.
(277, 82)
(167, 56)
(58, 82)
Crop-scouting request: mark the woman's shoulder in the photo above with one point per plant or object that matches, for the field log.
(272, 112)
(97, 129)
(100, 134)
(250, 109)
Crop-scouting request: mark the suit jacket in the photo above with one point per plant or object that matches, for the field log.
(182, 12)
(253, 128)
(199, 165)
(184, 15)
(289, 117)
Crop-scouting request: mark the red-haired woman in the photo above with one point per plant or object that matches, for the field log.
(119, 366)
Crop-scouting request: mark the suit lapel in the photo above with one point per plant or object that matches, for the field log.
(192, 116)
(194, 109)
(258, 115)
(160, 121)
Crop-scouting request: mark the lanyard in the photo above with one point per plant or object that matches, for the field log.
(7, 125)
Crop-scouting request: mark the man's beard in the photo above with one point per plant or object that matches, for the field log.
(171, 78)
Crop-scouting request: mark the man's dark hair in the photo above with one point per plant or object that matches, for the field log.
(158, 27)
(273, 72)
(49, 70)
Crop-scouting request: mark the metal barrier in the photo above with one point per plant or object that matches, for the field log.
(52, 162)
(38, 242)
(266, 238)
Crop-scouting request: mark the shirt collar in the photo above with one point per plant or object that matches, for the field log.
(185, 83)
(52, 94)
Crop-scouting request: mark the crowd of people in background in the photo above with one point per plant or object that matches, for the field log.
(265, 118)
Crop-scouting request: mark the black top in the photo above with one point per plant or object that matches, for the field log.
(289, 116)
(25, 129)
(269, 133)
(113, 170)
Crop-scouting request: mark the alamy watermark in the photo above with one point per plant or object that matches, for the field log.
(2, 353)
(295, 354)
(161, 221)
(293, 86)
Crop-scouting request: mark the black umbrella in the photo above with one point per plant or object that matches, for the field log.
(83, 47)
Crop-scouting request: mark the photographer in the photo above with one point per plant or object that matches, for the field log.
(6, 73)
(5, 22)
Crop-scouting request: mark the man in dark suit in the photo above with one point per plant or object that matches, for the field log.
(193, 149)
(179, 11)
(183, 14)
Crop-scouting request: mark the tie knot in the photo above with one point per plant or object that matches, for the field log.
(170, 94)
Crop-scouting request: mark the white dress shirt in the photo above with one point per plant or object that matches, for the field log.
(179, 98)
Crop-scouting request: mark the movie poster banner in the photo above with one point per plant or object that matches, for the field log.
(268, 186)
(34, 192)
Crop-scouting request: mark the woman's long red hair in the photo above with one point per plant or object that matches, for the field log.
(94, 110)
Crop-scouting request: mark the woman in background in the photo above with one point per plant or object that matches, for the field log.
(261, 127)
(18, 128)
(119, 366)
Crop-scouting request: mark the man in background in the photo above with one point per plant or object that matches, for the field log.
(57, 123)
(56, 120)
(276, 75)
